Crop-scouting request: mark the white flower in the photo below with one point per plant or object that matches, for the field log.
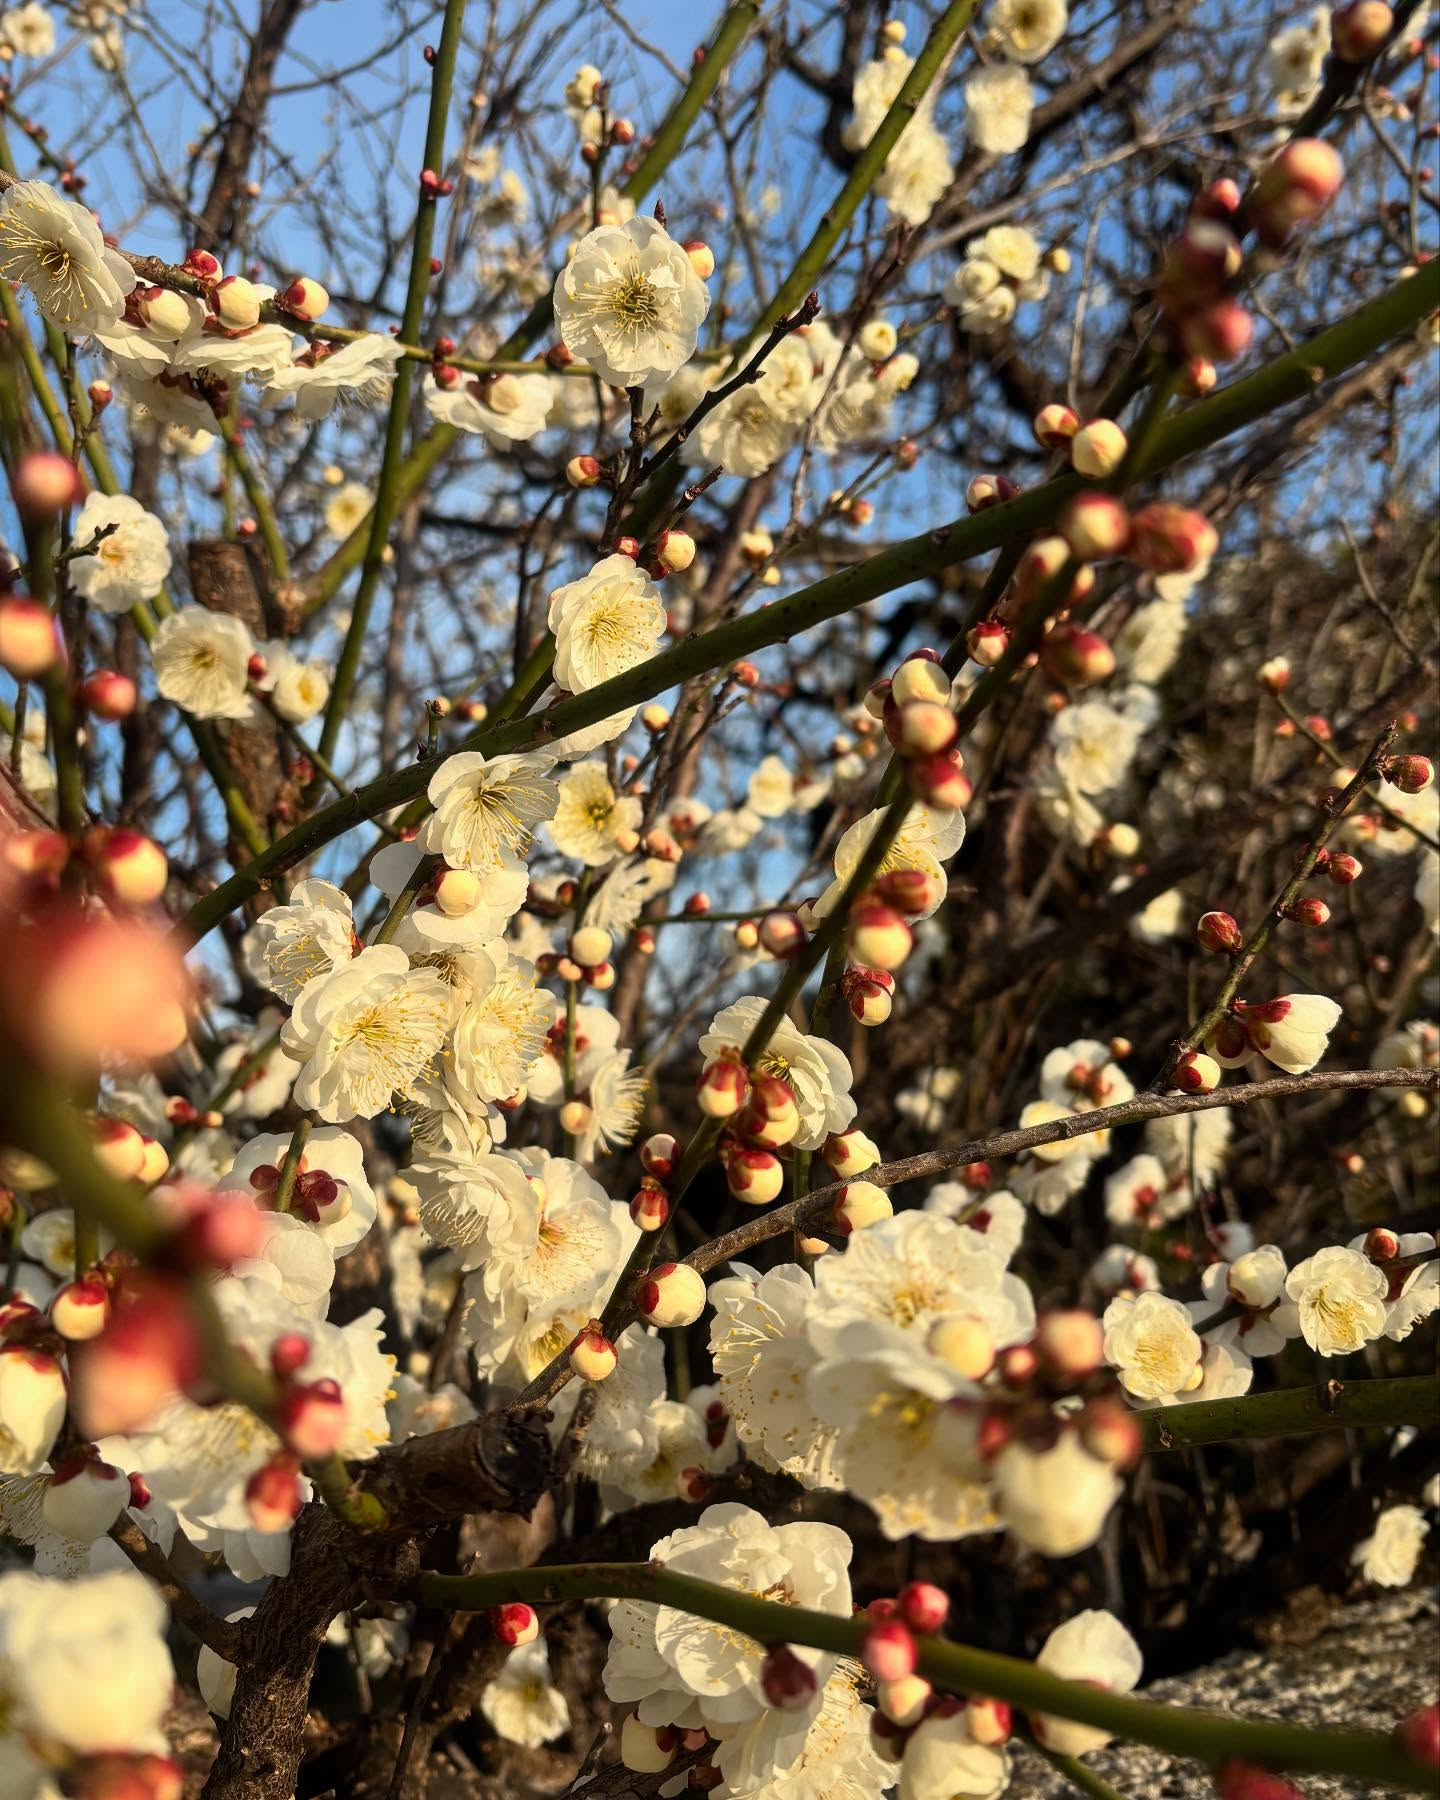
(1056, 1501)
(1027, 30)
(1118, 1266)
(202, 662)
(32, 1407)
(1388, 1557)
(522, 1704)
(364, 368)
(328, 1151)
(1092, 1647)
(499, 1031)
(1011, 249)
(917, 172)
(505, 409)
(745, 435)
(54, 247)
(687, 1670)
(1141, 1193)
(267, 1086)
(591, 815)
(365, 1032)
(604, 623)
(313, 933)
(100, 1639)
(215, 1677)
(417, 1411)
(819, 1075)
(346, 508)
(1335, 1299)
(28, 30)
(486, 809)
(1294, 58)
(1150, 639)
(771, 789)
(998, 104)
(926, 840)
(629, 303)
(616, 1096)
(1094, 745)
(874, 91)
(1293, 1030)
(1151, 1343)
(997, 1218)
(1186, 1141)
(838, 1760)
(942, 1761)
(1083, 1074)
(763, 1358)
(1419, 1295)
(479, 1205)
(427, 929)
(130, 564)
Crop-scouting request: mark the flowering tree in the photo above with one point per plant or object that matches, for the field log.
(537, 1071)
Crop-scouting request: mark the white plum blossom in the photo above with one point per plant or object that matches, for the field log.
(53, 246)
(202, 663)
(917, 172)
(604, 623)
(28, 30)
(943, 1761)
(1335, 1300)
(1027, 30)
(365, 1032)
(1293, 1030)
(364, 369)
(130, 564)
(591, 817)
(999, 102)
(818, 1074)
(629, 303)
(500, 1026)
(1056, 1501)
(328, 1151)
(763, 1357)
(522, 1704)
(1092, 1647)
(505, 409)
(428, 929)
(487, 808)
(1388, 1557)
(1094, 745)
(311, 934)
(1151, 1343)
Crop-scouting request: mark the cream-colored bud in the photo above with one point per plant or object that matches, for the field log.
(457, 892)
(878, 340)
(591, 945)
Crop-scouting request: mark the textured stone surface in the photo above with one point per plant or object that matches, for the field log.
(1369, 1664)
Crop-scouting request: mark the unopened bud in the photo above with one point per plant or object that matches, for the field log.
(988, 641)
(921, 728)
(236, 303)
(904, 1701)
(30, 642)
(1308, 911)
(1359, 31)
(940, 781)
(1054, 426)
(1219, 931)
(108, 694)
(858, 1205)
(1172, 540)
(583, 471)
(272, 1494)
(457, 892)
(965, 1345)
(650, 1206)
(592, 1356)
(888, 1650)
(877, 937)
(1110, 1431)
(311, 1418)
(46, 483)
(576, 1117)
(920, 678)
(514, 1623)
(989, 490)
(1070, 1342)
(129, 868)
(1219, 332)
(591, 945)
(675, 551)
(79, 1310)
(702, 257)
(305, 298)
(722, 1087)
(788, 1683)
(671, 1294)
(1196, 1073)
(1076, 657)
(644, 1749)
(870, 1004)
(1411, 774)
(1343, 868)
(1295, 187)
(1098, 449)
(754, 1176)
(1095, 526)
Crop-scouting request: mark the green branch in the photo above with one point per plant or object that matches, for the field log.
(1204, 1737)
(1333, 351)
(1294, 1412)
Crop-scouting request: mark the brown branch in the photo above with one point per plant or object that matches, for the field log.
(219, 1635)
(222, 214)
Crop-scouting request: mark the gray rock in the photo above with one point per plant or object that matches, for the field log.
(1371, 1663)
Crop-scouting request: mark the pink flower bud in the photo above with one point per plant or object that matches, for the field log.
(1200, 377)
(215, 1231)
(1239, 1780)
(770, 1117)
(1196, 1073)
(923, 1606)
(1308, 911)
(149, 1350)
(702, 257)
(1219, 931)
(1076, 657)
(646, 1749)
(659, 1154)
(79, 1310)
(1343, 868)
(988, 641)
(870, 1004)
(920, 677)
(272, 1494)
(650, 1206)
(1296, 187)
(921, 728)
(940, 781)
(1039, 567)
(910, 891)
(887, 1649)
(118, 1147)
(1054, 426)
(1411, 774)
(514, 1623)
(1096, 527)
(1098, 449)
(125, 1775)
(788, 1683)
(670, 1294)
(966, 1345)
(722, 1087)
(1360, 31)
(129, 868)
(236, 303)
(1172, 540)
(202, 264)
(592, 1355)
(306, 298)
(1220, 332)
(1109, 1430)
(876, 936)
(992, 490)
(311, 1417)
(675, 551)
(46, 483)
(754, 1176)
(288, 1353)
(1199, 264)
(904, 1701)
(108, 694)
(30, 642)
(583, 471)
(1419, 1732)
(858, 1204)
(1070, 1343)
(781, 935)
(989, 1721)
